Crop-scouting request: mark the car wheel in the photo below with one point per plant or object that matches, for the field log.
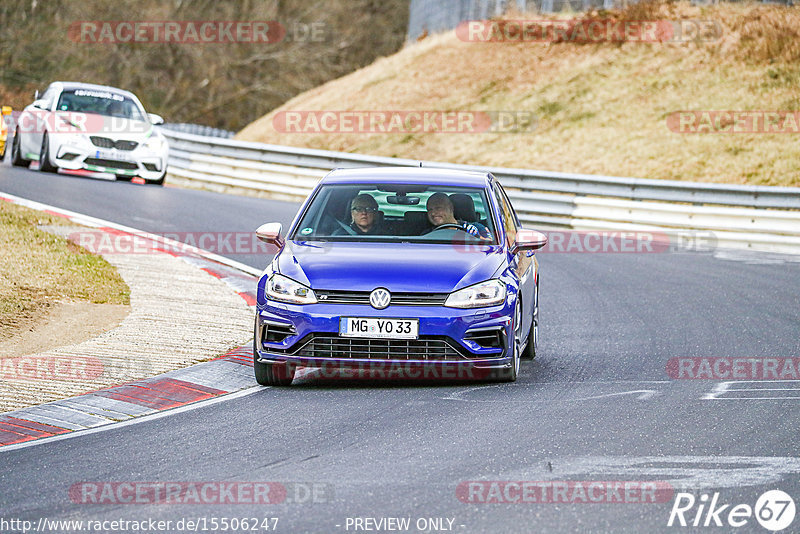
(268, 374)
(533, 335)
(273, 374)
(16, 153)
(44, 156)
(159, 180)
(511, 374)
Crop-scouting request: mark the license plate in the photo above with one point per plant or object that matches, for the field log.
(113, 155)
(378, 327)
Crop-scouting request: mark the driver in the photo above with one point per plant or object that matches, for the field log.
(364, 213)
(116, 109)
(440, 212)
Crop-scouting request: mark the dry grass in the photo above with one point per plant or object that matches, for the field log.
(602, 108)
(39, 269)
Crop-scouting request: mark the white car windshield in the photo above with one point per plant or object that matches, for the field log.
(100, 102)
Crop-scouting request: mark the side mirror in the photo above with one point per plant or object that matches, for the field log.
(41, 104)
(155, 119)
(271, 233)
(528, 240)
(36, 95)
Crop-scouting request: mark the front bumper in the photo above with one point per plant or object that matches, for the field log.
(308, 335)
(146, 163)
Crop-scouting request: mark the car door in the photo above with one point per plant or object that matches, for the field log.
(42, 119)
(523, 261)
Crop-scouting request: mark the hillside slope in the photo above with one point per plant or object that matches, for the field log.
(601, 108)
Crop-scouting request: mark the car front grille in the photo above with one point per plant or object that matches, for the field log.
(398, 299)
(111, 163)
(105, 142)
(334, 346)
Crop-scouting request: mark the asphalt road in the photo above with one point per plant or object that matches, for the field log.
(596, 405)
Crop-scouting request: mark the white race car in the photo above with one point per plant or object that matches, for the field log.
(92, 127)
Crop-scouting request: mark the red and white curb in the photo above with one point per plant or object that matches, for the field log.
(227, 374)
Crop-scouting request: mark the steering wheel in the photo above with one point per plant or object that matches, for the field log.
(449, 225)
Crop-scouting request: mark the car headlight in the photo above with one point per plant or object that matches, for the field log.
(154, 143)
(285, 289)
(487, 293)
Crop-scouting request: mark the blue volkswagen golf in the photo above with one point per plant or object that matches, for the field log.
(427, 272)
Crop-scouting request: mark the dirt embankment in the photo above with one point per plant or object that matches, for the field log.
(601, 108)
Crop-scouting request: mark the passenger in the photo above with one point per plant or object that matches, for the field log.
(364, 216)
(117, 109)
(440, 212)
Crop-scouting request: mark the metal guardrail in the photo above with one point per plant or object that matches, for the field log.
(198, 129)
(741, 216)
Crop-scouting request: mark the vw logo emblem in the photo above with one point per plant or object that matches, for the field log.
(380, 298)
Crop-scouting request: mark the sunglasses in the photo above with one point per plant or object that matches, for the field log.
(362, 209)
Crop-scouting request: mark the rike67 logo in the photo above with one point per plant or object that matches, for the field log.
(774, 510)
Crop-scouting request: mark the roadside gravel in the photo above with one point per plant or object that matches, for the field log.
(180, 315)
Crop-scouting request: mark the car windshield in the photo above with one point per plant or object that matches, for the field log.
(100, 102)
(415, 213)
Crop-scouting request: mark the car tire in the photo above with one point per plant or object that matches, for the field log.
(271, 374)
(16, 153)
(533, 336)
(44, 156)
(511, 374)
(159, 180)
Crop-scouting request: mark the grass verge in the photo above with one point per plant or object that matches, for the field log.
(38, 270)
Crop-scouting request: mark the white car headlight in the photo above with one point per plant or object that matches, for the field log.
(489, 293)
(285, 289)
(154, 143)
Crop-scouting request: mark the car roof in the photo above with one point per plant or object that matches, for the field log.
(70, 86)
(412, 175)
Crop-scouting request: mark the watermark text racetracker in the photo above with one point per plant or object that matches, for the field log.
(733, 368)
(244, 243)
(613, 242)
(72, 122)
(113, 242)
(200, 492)
(564, 492)
(69, 368)
(195, 31)
(590, 30)
(404, 121)
(734, 122)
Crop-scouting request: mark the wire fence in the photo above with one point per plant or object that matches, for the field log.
(431, 16)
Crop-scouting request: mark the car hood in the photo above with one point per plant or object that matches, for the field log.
(115, 128)
(403, 267)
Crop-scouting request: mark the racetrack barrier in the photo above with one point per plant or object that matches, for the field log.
(763, 218)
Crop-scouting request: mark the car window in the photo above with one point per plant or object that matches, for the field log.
(48, 96)
(100, 102)
(391, 212)
(507, 213)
